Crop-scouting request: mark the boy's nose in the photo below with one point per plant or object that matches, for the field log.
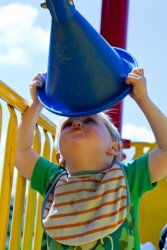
(76, 124)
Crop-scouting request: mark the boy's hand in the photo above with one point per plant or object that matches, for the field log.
(37, 82)
(138, 81)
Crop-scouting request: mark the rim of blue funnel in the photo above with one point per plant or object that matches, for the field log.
(50, 104)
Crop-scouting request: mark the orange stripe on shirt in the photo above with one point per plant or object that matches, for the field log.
(94, 181)
(86, 222)
(84, 178)
(88, 232)
(76, 191)
(85, 211)
(90, 198)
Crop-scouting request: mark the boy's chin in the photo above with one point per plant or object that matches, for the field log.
(75, 146)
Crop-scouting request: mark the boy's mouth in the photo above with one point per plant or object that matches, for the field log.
(76, 130)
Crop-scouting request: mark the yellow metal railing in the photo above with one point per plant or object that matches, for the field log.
(27, 203)
(153, 205)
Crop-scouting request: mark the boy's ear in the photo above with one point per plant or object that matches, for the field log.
(114, 149)
(60, 159)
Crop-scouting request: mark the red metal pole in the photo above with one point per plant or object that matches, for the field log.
(114, 20)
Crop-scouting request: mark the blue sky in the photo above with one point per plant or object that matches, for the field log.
(24, 43)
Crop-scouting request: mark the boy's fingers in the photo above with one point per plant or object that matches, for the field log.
(38, 80)
(35, 84)
(138, 71)
(41, 76)
(134, 75)
(133, 78)
(142, 71)
(36, 77)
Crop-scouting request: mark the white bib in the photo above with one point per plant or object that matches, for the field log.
(85, 208)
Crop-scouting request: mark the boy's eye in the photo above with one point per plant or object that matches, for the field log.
(66, 125)
(89, 120)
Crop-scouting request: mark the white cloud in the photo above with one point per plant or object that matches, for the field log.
(15, 56)
(136, 133)
(21, 37)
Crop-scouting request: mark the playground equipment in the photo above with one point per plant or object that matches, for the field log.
(85, 74)
(114, 26)
(152, 210)
(26, 208)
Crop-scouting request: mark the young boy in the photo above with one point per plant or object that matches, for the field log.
(93, 204)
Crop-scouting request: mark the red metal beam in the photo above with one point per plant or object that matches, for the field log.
(114, 22)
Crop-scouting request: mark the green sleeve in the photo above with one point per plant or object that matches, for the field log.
(43, 175)
(138, 177)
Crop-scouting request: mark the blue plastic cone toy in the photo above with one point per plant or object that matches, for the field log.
(85, 74)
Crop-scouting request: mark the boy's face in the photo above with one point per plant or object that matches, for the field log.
(84, 136)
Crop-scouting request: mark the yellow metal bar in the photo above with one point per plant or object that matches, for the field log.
(38, 227)
(37, 140)
(46, 148)
(152, 146)
(29, 219)
(53, 156)
(7, 176)
(140, 147)
(46, 124)
(17, 217)
(15, 100)
(31, 205)
(11, 97)
(0, 121)
(38, 231)
(0, 133)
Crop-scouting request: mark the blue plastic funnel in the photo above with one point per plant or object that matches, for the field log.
(85, 74)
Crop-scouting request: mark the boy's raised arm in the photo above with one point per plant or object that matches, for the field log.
(26, 157)
(157, 121)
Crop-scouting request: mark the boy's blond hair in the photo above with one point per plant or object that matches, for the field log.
(107, 121)
(113, 132)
